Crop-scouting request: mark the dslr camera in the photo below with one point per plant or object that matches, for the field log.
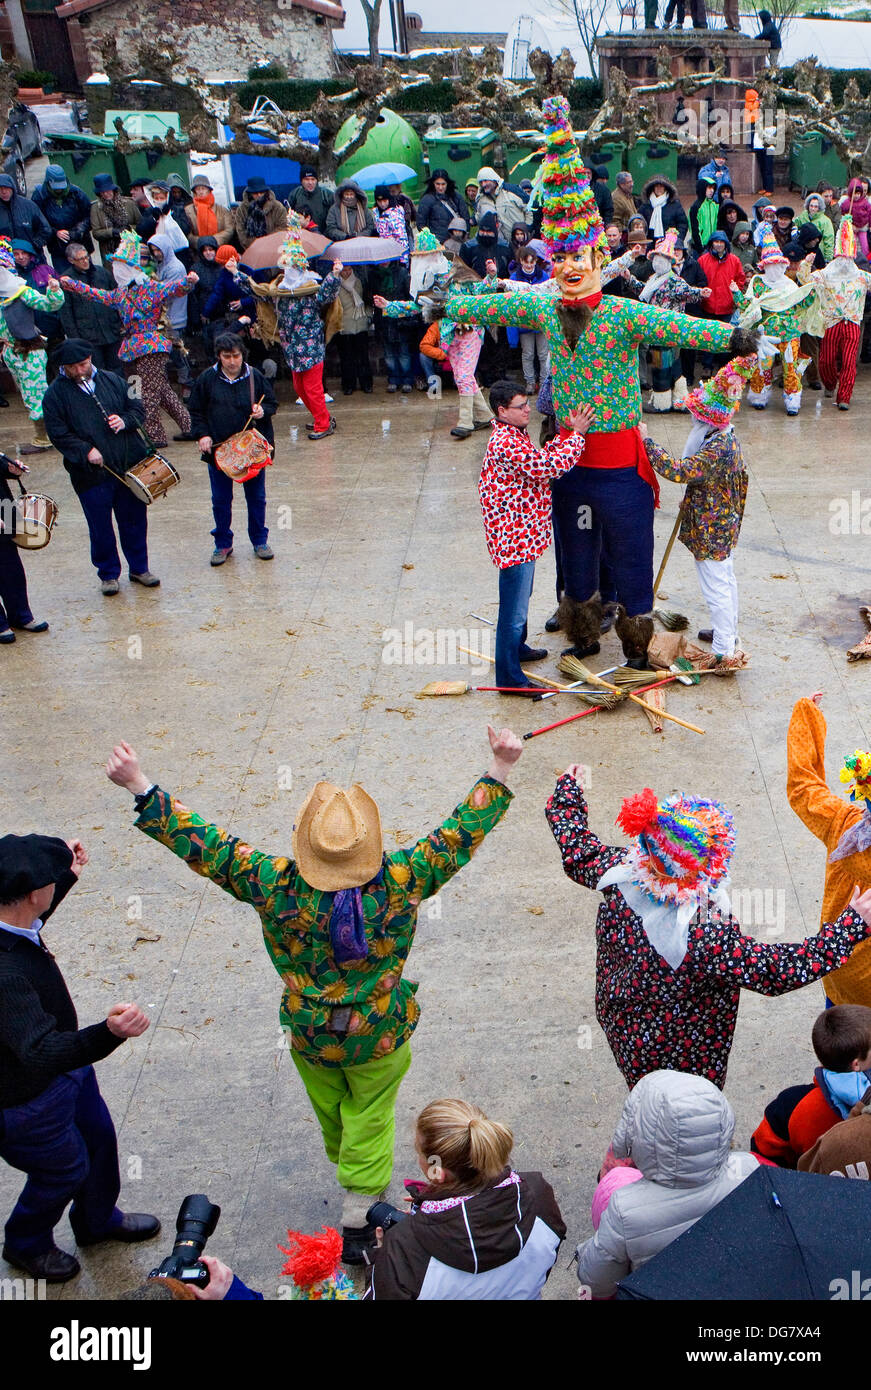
(196, 1221)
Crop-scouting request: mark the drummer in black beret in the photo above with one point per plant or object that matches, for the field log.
(15, 610)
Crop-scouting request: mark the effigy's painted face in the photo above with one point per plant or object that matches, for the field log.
(578, 273)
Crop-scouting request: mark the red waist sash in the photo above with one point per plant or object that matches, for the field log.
(619, 449)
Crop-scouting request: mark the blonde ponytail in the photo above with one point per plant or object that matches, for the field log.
(459, 1137)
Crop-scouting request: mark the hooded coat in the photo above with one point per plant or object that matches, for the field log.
(822, 222)
(171, 272)
(208, 273)
(274, 212)
(673, 214)
(677, 1128)
(722, 221)
(437, 211)
(746, 254)
(719, 275)
(508, 206)
(499, 1244)
(476, 253)
(804, 236)
(702, 223)
(342, 223)
(21, 219)
(71, 212)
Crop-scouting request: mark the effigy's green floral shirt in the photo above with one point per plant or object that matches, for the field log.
(295, 920)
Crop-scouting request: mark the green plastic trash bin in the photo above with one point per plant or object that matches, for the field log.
(811, 158)
(646, 158)
(148, 160)
(462, 152)
(83, 156)
(390, 141)
(520, 155)
(611, 155)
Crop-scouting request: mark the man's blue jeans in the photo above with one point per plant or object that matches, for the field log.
(515, 591)
(222, 507)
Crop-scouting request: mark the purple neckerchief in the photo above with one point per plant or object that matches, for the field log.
(348, 925)
(856, 839)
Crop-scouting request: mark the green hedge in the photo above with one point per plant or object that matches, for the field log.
(297, 95)
(838, 77)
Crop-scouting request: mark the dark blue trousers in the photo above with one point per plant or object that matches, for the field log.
(515, 591)
(222, 507)
(114, 498)
(610, 510)
(64, 1140)
(14, 606)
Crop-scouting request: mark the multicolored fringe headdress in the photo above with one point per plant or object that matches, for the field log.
(769, 250)
(313, 1267)
(292, 251)
(683, 844)
(716, 400)
(425, 243)
(129, 248)
(570, 217)
(845, 237)
(856, 775)
(7, 260)
(666, 246)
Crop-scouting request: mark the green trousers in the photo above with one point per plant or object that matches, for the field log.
(355, 1110)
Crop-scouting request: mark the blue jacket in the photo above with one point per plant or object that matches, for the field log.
(710, 171)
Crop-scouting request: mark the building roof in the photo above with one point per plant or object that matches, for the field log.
(72, 8)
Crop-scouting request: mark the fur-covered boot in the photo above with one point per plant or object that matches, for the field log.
(635, 634)
(581, 622)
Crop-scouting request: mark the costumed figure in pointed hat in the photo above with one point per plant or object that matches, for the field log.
(667, 289)
(593, 344)
(299, 296)
(23, 346)
(671, 961)
(432, 275)
(145, 348)
(843, 825)
(785, 309)
(338, 921)
(841, 289)
(712, 508)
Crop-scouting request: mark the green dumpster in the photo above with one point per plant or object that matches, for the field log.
(148, 160)
(83, 156)
(611, 155)
(392, 140)
(462, 151)
(646, 158)
(812, 158)
(522, 155)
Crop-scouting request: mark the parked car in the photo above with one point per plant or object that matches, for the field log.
(21, 142)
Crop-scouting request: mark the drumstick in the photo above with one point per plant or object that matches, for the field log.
(251, 416)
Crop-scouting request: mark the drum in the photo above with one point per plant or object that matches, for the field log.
(243, 455)
(152, 478)
(35, 517)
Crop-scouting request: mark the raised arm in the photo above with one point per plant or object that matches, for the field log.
(234, 866)
(521, 307)
(825, 814)
(779, 968)
(585, 857)
(691, 470)
(71, 286)
(441, 854)
(650, 324)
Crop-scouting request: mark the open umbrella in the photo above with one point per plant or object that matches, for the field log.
(373, 174)
(363, 250)
(264, 252)
(778, 1235)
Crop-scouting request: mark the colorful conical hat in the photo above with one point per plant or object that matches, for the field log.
(716, 400)
(769, 250)
(856, 775)
(665, 246)
(292, 251)
(845, 237)
(425, 243)
(7, 260)
(129, 249)
(570, 217)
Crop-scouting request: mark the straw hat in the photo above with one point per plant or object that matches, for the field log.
(337, 840)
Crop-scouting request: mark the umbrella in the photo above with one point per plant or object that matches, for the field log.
(264, 252)
(363, 250)
(779, 1235)
(373, 174)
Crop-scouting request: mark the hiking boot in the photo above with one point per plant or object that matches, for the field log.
(147, 580)
(324, 434)
(110, 586)
(219, 556)
(264, 552)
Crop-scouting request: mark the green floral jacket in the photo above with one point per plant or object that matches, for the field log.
(603, 369)
(295, 920)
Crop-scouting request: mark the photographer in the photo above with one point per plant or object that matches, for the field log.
(477, 1229)
(187, 1273)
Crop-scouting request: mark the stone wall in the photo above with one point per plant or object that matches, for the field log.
(226, 36)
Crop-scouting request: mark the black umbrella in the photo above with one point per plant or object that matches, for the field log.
(780, 1235)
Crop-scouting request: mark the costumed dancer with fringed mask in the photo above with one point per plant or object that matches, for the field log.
(23, 347)
(785, 309)
(432, 275)
(671, 961)
(712, 508)
(593, 344)
(145, 348)
(843, 825)
(841, 289)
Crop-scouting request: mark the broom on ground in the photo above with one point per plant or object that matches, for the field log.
(636, 699)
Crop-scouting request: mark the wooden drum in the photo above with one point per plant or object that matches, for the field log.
(152, 478)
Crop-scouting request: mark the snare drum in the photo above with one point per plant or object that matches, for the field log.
(152, 478)
(35, 517)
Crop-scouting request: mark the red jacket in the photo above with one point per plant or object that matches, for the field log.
(719, 275)
(515, 493)
(793, 1122)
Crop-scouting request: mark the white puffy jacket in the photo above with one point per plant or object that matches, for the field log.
(677, 1129)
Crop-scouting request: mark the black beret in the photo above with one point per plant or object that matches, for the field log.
(28, 862)
(73, 350)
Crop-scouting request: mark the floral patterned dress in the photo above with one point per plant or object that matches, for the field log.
(713, 505)
(295, 920)
(300, 326)
(139, 307)
(679, 1020)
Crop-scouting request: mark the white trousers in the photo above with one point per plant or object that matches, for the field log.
(720, 591)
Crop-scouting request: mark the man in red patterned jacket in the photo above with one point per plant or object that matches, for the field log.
(514, 488)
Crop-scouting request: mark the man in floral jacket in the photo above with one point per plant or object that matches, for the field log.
(515, 500)
(338, 923)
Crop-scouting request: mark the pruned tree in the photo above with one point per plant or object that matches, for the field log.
(590, 17)
(372, 11)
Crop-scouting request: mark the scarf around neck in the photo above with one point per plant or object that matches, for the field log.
(347, 923)
(657, 203)
(207, 220)
(666, 924)
(855, 839)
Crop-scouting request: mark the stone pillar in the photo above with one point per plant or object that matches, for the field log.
(20, 36)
